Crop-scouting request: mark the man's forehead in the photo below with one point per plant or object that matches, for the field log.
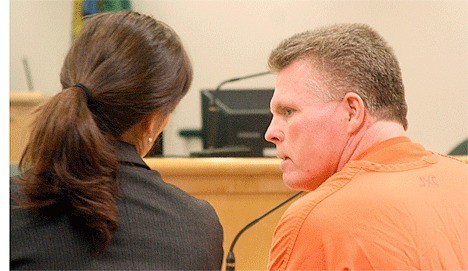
(302, 75)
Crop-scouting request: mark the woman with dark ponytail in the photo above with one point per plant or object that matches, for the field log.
(85, 199)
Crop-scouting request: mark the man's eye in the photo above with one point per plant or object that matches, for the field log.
(287, 111)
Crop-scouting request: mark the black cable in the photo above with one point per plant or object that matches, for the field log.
(231, 259)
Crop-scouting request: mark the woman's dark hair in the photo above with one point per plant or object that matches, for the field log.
(133, 65)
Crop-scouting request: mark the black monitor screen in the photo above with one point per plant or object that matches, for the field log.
(243, 118)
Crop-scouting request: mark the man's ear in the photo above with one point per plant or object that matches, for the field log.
(354, 105)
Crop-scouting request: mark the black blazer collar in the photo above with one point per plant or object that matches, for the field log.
(127, 153)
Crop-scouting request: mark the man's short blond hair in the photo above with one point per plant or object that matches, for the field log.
(355, 58)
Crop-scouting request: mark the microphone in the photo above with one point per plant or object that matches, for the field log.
(230, 258)
(214, 116)
(215, 94)
(27, 70)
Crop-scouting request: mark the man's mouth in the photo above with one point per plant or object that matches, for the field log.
(285, 160)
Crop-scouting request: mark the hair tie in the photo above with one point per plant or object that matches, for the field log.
(86, 90)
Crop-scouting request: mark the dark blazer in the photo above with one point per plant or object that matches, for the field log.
(160, 228)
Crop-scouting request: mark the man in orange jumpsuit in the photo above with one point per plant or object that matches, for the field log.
(377, 200)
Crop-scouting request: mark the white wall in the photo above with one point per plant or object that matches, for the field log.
(232, 38)
(40, 31)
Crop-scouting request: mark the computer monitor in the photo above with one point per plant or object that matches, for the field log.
(243, 118)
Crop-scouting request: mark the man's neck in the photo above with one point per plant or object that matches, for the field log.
(369, 135)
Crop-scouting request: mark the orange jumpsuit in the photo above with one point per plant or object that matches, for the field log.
(396, 207)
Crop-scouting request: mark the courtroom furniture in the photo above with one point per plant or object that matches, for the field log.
(460, 149)
(240, 190)
(22, 106)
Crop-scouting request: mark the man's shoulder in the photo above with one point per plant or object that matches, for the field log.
(304, 207)
(300, 219)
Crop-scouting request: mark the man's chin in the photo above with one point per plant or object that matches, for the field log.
(293, 183)
(296, 183)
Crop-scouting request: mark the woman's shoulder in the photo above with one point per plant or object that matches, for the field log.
(148, 186)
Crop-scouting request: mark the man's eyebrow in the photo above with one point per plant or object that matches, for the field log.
(276, 107)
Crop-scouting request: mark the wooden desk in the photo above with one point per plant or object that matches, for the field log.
(240, 190)
(22, 104)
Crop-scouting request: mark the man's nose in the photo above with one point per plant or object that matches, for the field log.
(273, 134)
